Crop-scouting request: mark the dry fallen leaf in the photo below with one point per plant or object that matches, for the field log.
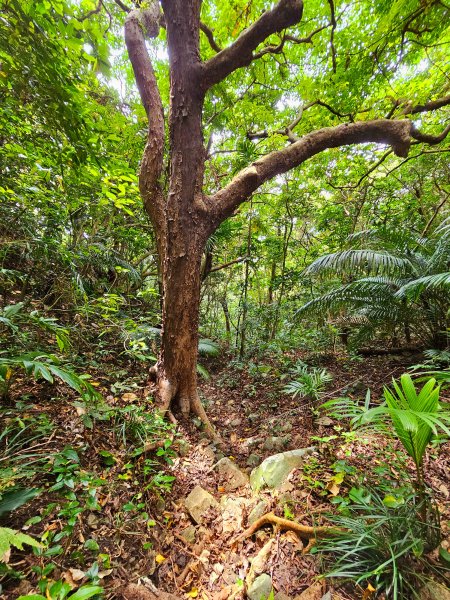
(76, 574)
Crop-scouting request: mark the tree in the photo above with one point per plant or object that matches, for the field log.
(184, 214)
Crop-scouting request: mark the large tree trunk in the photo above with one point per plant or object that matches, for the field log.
(177, 365)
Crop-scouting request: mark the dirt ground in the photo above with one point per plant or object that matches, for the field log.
(149, 536)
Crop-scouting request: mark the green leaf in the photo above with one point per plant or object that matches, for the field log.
(86, 591)
(9, 537)
(15, 497)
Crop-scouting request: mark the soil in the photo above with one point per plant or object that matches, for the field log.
(147, 533)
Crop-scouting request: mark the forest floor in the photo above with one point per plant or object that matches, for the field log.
(120, 520)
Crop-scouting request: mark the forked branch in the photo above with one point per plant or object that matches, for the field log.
(240, 54)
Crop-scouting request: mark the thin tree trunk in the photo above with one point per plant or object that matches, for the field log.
(245, 291)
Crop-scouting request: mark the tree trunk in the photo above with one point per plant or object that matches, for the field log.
(177, 365)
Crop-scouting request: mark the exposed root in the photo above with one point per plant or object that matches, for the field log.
(171, 417)
(166, 393)
(188, 402)
(304, 531)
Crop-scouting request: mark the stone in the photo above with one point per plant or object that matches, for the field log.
(286, 427)
(260, 509)
(261, 588)
(253, 460)
(189, 534)
(182, 447)
(259, 562)
(232, 514)
(251, 442)
(134, 591)
(435, 591)
(325, 421)
(209, 453)
(274, 471)
(230, 475)
(314, 592)
(199, 502)
(276, 443)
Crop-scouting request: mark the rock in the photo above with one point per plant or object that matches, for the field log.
(189, 534)
(286, 427)
(183, 447)
(253, 460)
(261, 588)
(232, 514)
(275, 469)
(209, 453)
(276, 443)
(251, 442)
(230, 474)
(259, 562)
(325, 421)
(260, 509)
(435, 591)
(197, 422)
(199, 502)
(314, 592)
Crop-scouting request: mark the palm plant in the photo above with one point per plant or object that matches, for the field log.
(307, 383)
(391, 281)
(415, 416)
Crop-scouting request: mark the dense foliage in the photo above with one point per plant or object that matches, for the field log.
(345, 256)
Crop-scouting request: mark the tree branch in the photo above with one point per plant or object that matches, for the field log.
(397, 134)
(333, 29)
(123, 6)
(152, 162)
(92, 12)
(228, 264)
(210, 36)
(240, 54)
(430, 139)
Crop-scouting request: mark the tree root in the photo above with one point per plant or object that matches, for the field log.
(303, 531)
(189, 403)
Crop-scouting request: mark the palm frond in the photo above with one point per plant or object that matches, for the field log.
(413, 289)
(208, 347)
(369, 261)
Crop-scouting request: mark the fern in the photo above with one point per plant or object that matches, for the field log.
(10, 537)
